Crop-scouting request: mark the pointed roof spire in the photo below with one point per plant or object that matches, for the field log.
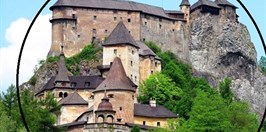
(185, 3)
(116, 79)
(73, 99)
(120, 35)
(62, 70)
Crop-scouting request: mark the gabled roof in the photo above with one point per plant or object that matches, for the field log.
(73, 99)
(204, 3)
(224, 3)
(113, 5)
(79, 81)
(153, 112)
(116, 79)
(185, 3)
(120, 35)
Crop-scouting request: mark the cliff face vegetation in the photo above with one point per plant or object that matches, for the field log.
(220, 49)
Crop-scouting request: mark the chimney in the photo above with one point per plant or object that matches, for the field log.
(152, 102)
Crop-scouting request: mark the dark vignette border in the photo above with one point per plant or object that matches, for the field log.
(18, 64)
(44, 5)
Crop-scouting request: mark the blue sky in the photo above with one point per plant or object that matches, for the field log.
(14, 10)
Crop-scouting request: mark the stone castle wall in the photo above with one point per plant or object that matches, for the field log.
(71, 113)
(148, 66)
(77, 27)
(128, 55)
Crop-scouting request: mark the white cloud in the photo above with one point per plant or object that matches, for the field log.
(36, 48)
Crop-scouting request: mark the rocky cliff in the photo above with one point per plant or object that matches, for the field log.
(220, 49)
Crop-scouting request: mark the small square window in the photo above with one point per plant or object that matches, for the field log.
(119, 120)
(151, 72)
(133, 52)
(131, 76)
(144, 123)
(73, 16)
(115, 51)
(87, 84)
(115, 18)
(173, 30)
(94, 31)
(94, 17)
(120, 108)
(135, 78)
(160, 25)
(143, 39)
(131, 63)
(121, 18)
(156, 64)
(145, 23)
(158, 124)
(111, 63)
(105, 31)
(128, 20)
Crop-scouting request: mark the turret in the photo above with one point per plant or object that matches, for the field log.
(185, 8)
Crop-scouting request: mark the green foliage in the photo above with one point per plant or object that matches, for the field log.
(200, 107)
(163, 89)
(264, 126)
(135, 128)
(33, 80)
(207, 113)
(37, 113)
(52, 59)
(153, 47)
(88, 53)
(241, 119)
(225, 90)
(262, 64)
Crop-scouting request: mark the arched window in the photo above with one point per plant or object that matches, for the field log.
(110, 119)
(65, 94)
(100, 119)
(61, 94)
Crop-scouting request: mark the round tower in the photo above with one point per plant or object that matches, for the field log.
(105, 112)
(121, 92)
(185, 8)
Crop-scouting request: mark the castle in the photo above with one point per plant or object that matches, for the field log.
(109, 101)
(78, 23)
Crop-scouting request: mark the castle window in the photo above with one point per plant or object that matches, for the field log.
(143, 39)
(131, 76)
(151, 72)
(111, 63)
(60, 94)
(156, 64)
(133, 52)
(135, 78)
(158, 123)
(74, 16)
(144, 123)
(115, 51)
(110, 95)
(131, 63)
(129, 32)
(115, 18)
(173, 30)
(78, 35)
(119, 120)
(87, 84)
(120, 108)
(145, 23)
(129, 20)
(121, 18)
(94, 31)
(105, 31)
(94, 17)
(65, 94)
(73, 85)
(160, 26)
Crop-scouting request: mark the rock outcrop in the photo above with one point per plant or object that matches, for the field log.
(222, 48)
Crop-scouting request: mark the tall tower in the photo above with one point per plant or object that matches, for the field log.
(121, 44)
(185, 8)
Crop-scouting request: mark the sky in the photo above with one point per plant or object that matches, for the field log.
(16, 15)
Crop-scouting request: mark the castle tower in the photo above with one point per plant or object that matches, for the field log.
(185, 8)
(105, 111)
(121, 44)
(120, 91)
(228, 10)
(61, 81)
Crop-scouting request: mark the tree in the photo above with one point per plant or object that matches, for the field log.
(163, 89)
(208, 113)
(135, 128)
(262, 64)
(225, 90)
(241, 119)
